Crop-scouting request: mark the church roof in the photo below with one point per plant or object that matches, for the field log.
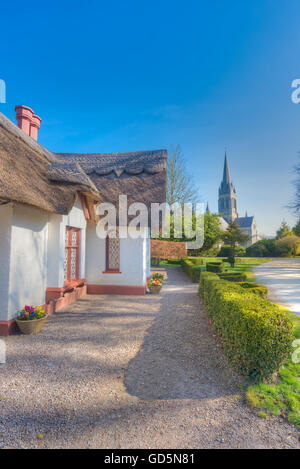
(244, 222)
(226, 172)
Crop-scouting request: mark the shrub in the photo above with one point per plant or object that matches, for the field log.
(155, 261)
(284, 247)
(192, 269)
(289, 245)
(263, 248)
(225, 251)
(174, 261)
(256, 334)
(256, 288)
(233, 276)
(215, 266)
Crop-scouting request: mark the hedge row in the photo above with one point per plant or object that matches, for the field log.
(260, 290)
(192, 268)
(233, 276)
(215, 267)
(255, 333)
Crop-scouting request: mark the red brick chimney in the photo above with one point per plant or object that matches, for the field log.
(28, 121)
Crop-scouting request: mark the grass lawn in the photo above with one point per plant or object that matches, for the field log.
(282, 397)
(244, 264)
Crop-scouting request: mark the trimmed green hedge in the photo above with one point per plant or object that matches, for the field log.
(192, 269)
(255, 333)
(256, 288)
(215, 267)
(233, 276)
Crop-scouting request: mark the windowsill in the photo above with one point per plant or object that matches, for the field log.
(111, 272)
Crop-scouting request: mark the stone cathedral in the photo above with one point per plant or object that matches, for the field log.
(227, 207)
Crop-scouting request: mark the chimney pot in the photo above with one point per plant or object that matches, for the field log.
(28, 121)
(34, 127)
(24, 115)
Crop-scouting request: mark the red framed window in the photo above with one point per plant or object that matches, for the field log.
(112, 254)
(72, 253)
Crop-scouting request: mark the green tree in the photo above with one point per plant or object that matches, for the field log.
(296, 229)
(283, 231)
(234, 237)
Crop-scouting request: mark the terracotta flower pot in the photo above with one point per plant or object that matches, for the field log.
(155, 288)
(31, 327)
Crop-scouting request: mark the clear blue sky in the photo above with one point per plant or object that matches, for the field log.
(130, 75)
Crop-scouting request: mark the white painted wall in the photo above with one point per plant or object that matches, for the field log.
(133, 261)
(28, 260)
(6, 213)
(32, 244)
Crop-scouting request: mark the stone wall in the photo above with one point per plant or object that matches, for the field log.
(168, 249)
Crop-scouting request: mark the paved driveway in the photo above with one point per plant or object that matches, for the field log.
(129, 372)
(282, 277)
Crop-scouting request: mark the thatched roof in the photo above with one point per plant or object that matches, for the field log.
(24, 173)
(139, 175)
(31, 174)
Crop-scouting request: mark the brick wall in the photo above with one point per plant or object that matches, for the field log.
(168, 249)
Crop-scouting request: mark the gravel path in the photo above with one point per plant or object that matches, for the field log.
(129, 372)
(282, 277)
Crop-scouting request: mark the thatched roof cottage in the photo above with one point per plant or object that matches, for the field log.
(50, 252)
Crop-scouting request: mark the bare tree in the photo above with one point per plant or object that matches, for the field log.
(180, 185)
(295, 206)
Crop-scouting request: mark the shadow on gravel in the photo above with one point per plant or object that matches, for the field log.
(179, 358)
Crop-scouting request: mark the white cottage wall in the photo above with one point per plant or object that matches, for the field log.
(28, 260)
(133, 261)
(6, 214)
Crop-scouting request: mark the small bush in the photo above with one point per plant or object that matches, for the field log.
(225, 251)
(256, 334)
(233, 276)
(192, 269)
(256, 288)
(174, 261)
(155, 261)
(215, 267)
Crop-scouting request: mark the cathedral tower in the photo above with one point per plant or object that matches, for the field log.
(227, 195)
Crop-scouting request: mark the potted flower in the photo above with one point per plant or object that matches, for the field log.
(159, 276)
(154, 285)
(31, 319)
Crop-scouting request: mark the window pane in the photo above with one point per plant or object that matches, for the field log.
(114, 253)
(66, 265)
(74, 237)
(73, 262)
(66, 237)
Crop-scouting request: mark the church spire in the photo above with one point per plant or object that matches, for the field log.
(207, 209)
(226, 172)
(227, 196)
